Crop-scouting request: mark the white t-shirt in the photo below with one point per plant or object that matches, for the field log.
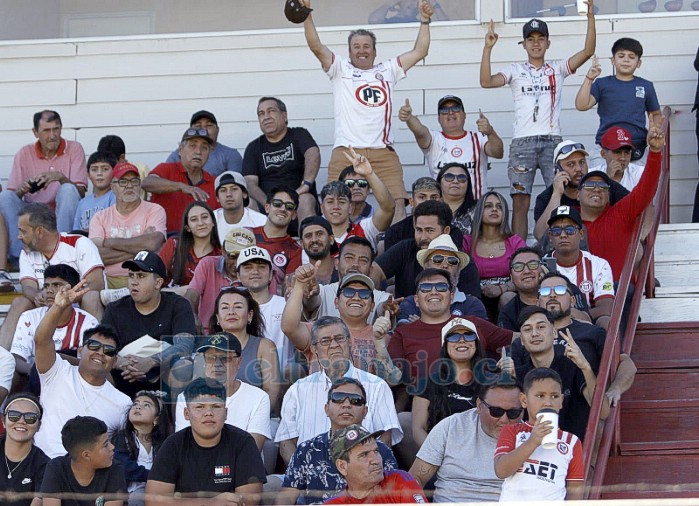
(468, 149)
(65, 395)
(75, 250)
(248, 409)
(364, 102)
(67, 337)
(7, 369)
(250, 219)
(632, 174)
(272, 314)
(592, 274)
(531, 87)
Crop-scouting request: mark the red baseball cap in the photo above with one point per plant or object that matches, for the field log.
(616, 137)
(123, 168)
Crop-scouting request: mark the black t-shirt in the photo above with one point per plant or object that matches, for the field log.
(401, 261)
(460, 398)
(26, 477)
(59, 479)
(509, 314)
(616, 193)
(233, 462)
(278, 163)
(405, 229)
(173, 316)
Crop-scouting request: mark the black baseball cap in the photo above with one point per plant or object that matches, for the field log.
(223, 341)
(595, 173)
(565, 212)
(146, 261)
(532, 26)
(449, 98)
(295, 12)
(315, 220)
(203, 114)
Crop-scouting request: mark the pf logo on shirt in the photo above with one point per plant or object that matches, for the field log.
(371, 96)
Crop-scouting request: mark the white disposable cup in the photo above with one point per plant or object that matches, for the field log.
(549, 415)
(582, 7)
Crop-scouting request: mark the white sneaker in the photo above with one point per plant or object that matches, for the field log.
(112, 294)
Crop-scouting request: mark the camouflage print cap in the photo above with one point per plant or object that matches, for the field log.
(344, 440)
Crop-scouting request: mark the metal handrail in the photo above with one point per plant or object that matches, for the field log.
(594, 475)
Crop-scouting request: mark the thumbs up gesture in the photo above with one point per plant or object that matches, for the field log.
(483, 124)
(405, 112)
(382, 325)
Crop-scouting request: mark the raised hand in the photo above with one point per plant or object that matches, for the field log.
(405, 112)
(595, 69)
(360, 163)
(393, 305)
(67, 295)
(491, 37)
(656, 136)
(305, 273)
(590, 8)
(426, 10)
(483, 124)
(305, 3)
(573, 350)
(382, 325)
(506, 364)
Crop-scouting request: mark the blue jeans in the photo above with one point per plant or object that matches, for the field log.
(67, 200)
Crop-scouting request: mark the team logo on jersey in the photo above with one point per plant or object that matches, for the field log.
(378, 76)
(586, 286)
(279, 260)
(222, 471)
(540, 469)
(562, 448)
(456, 151)
(371, 96)
(548, 71)
(607, 286)
(640, 92)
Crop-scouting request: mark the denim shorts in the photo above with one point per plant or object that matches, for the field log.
(528, 154)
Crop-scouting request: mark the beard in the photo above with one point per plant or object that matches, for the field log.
(558, 313)
(319, 255)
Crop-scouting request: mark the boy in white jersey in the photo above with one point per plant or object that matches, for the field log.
(532, 472)
(536, 86)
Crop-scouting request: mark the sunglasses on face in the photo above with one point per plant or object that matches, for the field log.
(128, 182)
(532, 265)
(469, 337)
(545, 291)
(569, 230)
(497, 412)
(460, 178)
(451, 108)
(290, 206)
(591, 185)
(570, 148)
(362, 183)
(108, 349)
(30, 418)
(349, 292)
(354, 399)
(428, 287)
(327, 341)
(439, 259)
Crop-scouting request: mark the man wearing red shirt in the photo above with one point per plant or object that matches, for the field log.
(175, 185)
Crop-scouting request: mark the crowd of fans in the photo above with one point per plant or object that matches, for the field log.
(218, 330)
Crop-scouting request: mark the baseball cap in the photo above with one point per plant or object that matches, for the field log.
(442, 242)
(123, 168)
(616, 137)
(203, 114)
(356, 277)
(223, 341)
(426, 183)
(595, 173)
(344, 440)
(252, 253)
(533, 26)
(295, 12)
(565, 212)
(566, 148)
(449, 98)
(237, 239)
(315, 220)
(146, 261)
(197, 133)
(230, 177)
(458, 324)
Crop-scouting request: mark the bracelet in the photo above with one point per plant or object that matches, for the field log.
(588, 77)
(426, 22)
(308, 183)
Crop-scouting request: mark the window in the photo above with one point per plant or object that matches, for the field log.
(526, 9)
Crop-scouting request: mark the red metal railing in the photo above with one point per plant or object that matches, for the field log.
(595, 471)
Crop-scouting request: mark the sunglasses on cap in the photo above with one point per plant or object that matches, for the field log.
(354, 399)
(196, 131)
(497, 412)
(545, 291)
(428, 287)
(290, 206)
(591, 185)
(108, 349)
(570, 148)
(362, 183)
(568, 229)
(439, 259)
(469, 337)
(451, 108)
(349, 292)
(460, 178)
(532, 265)
(30, 418)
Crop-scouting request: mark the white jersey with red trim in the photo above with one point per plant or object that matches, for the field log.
(592, 274)
(66, 337)
(71, 249)
(468, 149)
(364, 102)
(537, 95)
(543, 475)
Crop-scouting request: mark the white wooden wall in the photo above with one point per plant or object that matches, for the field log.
(146, 89)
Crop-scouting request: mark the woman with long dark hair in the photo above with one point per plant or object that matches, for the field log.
(455, 183)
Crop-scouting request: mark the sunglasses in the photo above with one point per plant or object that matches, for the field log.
(196, 131)
(439, 259)
(362, 183)
(30, 418)
(108, 349)
(591, 185)
(451, 108)
(469, 337)
(349, 292)
(290, 206)
(354, 399)
(428, 287)
(497, 412)
(570, 148)
(128, 182)
(460, 178)
(327, 341)
(569, 230)
(531, 265)
(545, 291)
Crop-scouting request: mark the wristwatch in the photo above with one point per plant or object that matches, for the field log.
(308, 183)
